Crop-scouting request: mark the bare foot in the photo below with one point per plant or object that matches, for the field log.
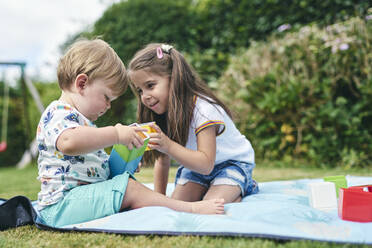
(213, 206)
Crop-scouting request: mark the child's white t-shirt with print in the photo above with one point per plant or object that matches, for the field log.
(230, 143)
(58, 172)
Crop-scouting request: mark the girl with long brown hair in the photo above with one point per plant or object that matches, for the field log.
(193, 127)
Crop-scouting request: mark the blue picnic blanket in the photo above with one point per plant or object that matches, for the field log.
(281, 210)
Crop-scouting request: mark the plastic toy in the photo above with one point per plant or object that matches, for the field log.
(355, 203)
(322, 195)
(122, 159)
(339, 181)
(149, 130)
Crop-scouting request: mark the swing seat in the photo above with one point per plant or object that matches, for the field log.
(3, 146)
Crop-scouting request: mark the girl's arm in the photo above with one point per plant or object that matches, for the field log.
(161, 171)
(84, 139)
(201, 161)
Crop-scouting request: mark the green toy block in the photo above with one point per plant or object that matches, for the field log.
(339, 181)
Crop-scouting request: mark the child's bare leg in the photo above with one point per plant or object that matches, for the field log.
(189, 192)
(230, 193)
(138, 195)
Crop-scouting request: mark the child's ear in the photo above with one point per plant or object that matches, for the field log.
(81, 82)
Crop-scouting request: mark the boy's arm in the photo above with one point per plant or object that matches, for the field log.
(84, 139)
(161, 172)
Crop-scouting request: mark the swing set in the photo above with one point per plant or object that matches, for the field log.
(26, 82)
(4, 126)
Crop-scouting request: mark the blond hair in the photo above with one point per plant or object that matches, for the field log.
(96, 59)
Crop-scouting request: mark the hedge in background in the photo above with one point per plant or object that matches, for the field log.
(227, 25)
(307, 94)
(230, 24)
(130, 25)
(210, 30)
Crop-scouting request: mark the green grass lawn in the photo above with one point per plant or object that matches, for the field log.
(23, 182)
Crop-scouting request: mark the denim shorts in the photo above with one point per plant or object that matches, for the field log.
(87, 202)
(230, 172)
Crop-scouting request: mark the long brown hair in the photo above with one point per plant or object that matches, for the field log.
(184, 85)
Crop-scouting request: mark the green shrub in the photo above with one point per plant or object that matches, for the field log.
(224, 26)
(230, 24)
(129, 25)
(209, 30)
(306, 95)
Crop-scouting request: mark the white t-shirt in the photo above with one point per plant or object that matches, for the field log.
(230, 143)
(58, 172)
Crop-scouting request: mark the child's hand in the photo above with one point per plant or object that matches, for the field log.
(159, 140)
(127, 135)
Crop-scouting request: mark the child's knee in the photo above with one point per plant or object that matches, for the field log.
(133, 186)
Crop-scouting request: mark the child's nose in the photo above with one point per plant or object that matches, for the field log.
(146, 96)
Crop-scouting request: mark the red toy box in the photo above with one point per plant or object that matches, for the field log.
(355, 203)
